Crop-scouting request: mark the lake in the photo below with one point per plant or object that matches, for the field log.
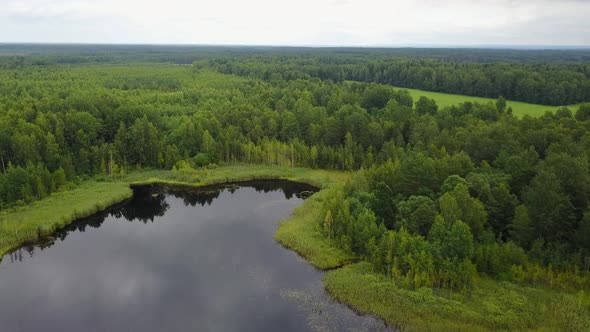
(181, 259)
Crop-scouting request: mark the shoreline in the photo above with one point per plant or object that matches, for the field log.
(26, 224)
(492, 305)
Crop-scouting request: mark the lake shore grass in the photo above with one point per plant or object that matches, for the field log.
(26, 224)
(203, 177)
(301, 232)
(29, 223)
(490, 306)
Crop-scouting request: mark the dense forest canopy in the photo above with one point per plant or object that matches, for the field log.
(442, 195)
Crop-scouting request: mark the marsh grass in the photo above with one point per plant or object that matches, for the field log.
(491, 306)
(28, 223)
(302, 233)
(202, 177)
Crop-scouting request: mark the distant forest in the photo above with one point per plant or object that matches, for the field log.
(550, 77)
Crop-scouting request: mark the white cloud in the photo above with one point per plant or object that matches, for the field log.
(303, 22)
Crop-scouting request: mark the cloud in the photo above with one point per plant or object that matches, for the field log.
(303, 22)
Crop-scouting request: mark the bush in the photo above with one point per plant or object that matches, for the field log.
(201, 160)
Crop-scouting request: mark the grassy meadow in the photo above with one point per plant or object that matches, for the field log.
(519, 109)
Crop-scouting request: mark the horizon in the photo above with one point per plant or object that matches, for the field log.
(309, 23)
(521, 47)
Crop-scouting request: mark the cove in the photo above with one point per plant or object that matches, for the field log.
(174, 259)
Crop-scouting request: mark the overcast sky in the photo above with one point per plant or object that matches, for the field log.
(298, 22)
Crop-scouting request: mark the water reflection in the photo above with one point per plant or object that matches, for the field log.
(205, 195)
(174, 259)
(149, 202)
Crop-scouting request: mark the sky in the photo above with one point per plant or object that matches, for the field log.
(298, 22)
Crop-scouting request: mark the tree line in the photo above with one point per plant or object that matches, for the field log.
(538, 83)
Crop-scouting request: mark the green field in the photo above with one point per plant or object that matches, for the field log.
(519, 108)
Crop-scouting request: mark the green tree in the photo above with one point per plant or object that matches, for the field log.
(522, 231)
(573, 175)
(449, 208)
(416, 174)
(349, 148)
(451, 183)
(583, 112)
(453, 241)
(289, 126)
(583, 233)
(549, 207)
(501, 104)
(376, 96)
(121, 144)
(416, 214)
(208, 142)
(385, 207)
(59, 178)
(51, 152)
(144, 142)
(426, 106)
(472, 211)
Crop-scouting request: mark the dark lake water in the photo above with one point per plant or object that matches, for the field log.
(174, 260)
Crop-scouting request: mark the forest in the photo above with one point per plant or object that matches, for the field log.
(550, 77)
(439, 197)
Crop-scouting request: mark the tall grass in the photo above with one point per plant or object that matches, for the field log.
(28, 223)
(491, 306)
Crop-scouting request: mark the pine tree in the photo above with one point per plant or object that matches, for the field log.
(522, 231)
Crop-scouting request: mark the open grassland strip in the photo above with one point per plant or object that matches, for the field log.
(519, 109)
